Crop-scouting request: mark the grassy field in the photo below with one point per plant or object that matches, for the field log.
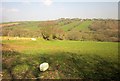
(67, 59)
(26, 25)
(70, 26)
(83, 26)
(35, 25)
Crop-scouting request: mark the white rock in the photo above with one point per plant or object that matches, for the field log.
(34, 39)
(44, 66)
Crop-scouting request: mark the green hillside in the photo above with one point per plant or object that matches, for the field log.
(28, 25)
(70, 26)
(65, 29)
(83, 26)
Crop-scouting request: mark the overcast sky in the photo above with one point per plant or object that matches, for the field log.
(22, 10)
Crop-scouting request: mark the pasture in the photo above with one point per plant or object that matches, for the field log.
(67, 59)
(74, 49)
(83, 26)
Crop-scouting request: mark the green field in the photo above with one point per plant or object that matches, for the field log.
(67, 59)
(74, 49)
(83, 26)
(70, 26)
(26, 25)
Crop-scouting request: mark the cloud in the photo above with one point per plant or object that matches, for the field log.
(47, 2)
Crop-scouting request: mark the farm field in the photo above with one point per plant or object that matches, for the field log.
(67, 59)
(70, 26)
(83, 26)
(74, 48)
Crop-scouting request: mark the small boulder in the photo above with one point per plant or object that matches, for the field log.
(44, 66)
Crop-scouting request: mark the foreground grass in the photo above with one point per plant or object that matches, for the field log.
(67, 59)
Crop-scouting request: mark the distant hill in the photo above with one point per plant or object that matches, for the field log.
(68, 29)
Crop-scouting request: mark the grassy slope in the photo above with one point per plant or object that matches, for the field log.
(34, 25)
(70, 26)
(83, 26)
(67, 59)
(29, 25)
